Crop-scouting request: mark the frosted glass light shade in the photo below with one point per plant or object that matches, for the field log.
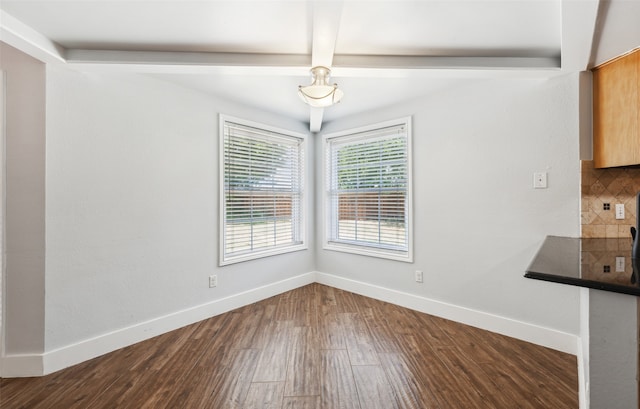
(320, 94)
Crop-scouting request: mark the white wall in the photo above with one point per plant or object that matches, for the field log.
(2, 213)
(25, 198)
(132, 204)
(478, 222)
(618, 30)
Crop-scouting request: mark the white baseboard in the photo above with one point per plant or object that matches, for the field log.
(55, 360)
(22, 365)
(535, 334)
(42, 364)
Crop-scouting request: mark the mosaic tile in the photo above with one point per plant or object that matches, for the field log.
(611, 230)
(612, 186)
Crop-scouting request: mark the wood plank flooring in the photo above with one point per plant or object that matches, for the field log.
(315, 347)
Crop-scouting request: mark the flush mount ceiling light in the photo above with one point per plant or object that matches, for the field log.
(320, 94)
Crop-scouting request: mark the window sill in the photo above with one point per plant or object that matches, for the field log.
(261, 254)
(406, 257)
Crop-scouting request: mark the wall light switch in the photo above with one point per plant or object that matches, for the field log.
(540, 180)
(619, 264)
(619, 211)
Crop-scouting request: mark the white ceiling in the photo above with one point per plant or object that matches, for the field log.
(257, 52)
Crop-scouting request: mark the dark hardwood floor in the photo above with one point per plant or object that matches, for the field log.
(314, 347)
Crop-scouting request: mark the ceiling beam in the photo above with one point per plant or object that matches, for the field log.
(24, 38)
(190, 58)
(444, 62)
(190, 62)
(315, 119)
(326, 24)
(291, 64)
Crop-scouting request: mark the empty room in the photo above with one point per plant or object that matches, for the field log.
(319, 204)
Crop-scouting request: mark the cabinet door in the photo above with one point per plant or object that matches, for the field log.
(616, 102)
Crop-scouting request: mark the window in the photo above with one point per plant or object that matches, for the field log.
(262, 191)
(368, 190)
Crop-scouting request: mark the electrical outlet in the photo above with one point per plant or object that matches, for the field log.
(619, 264)
(418, 276)
(213, 281)
(540, 180)
(619, 211)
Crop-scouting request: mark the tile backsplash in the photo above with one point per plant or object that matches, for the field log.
(601, 190)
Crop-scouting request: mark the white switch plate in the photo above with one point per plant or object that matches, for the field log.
(213, 281)
(619, 211)
(540, 180)
(619, 264)
(418, 276)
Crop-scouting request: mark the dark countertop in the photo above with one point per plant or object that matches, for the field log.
(586, 263)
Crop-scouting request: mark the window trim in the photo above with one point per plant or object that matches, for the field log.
(304, 205)
(327, 244)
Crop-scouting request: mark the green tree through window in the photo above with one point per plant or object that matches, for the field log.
(368, 190)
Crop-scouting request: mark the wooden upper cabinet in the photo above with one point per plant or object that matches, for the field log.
(616, 111)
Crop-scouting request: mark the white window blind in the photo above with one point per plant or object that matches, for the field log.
(262, 191)
(368, 190)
